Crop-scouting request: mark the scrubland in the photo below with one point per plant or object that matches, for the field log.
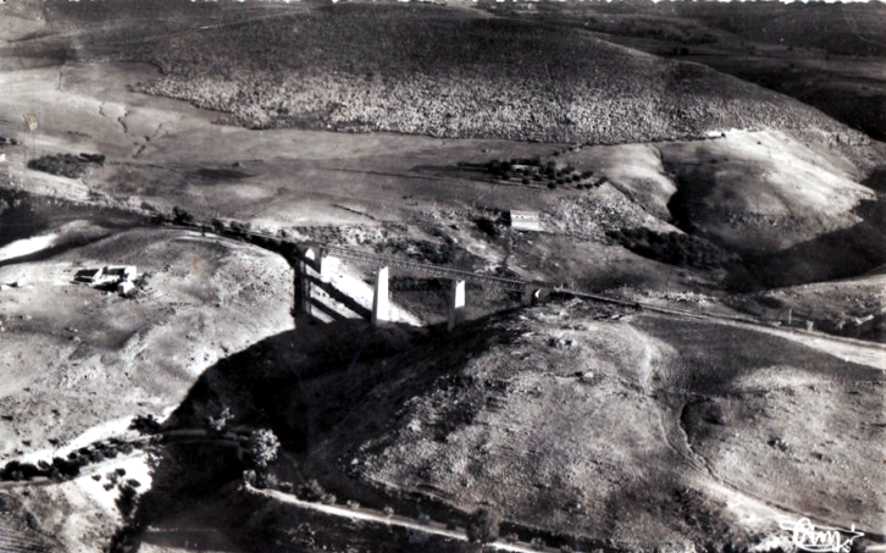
(432, 71)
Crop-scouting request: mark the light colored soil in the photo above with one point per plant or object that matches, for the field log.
(752, 191)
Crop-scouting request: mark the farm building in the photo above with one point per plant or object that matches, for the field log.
(525, 220)
(106, 276)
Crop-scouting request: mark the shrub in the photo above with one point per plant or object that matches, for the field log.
(250, 477)
(312, 490)
(241, 227)
(127, 500)
(219, 423)
(484, 526)
(181, 216)
(146, 424)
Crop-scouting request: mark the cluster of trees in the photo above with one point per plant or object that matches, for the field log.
(552, 173)
(68, 467)
(673, 247)
(66, 165)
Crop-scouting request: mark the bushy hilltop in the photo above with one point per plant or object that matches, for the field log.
(453, 73)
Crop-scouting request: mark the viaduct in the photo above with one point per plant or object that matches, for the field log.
(319, 295)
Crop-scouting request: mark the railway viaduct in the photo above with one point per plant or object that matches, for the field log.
(319, 295)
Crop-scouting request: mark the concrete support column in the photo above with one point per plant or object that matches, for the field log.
(456, 304)
(328, 267)
(530, 296)
(301, 308)
(381, 299)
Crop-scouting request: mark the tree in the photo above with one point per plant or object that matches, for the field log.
(262, 448)
(484, 526)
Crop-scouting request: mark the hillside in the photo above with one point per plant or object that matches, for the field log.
(827, 55)
(449, 73)
(625, 429)
(74, 356)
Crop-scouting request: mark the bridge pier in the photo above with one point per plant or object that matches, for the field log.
(381, 299)
(328, 266)
(456, 304)
(301, 302)
(530, 296)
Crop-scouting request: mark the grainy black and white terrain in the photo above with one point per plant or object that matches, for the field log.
(704, 358)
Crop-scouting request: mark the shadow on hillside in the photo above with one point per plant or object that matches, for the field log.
(193, 505)
(262, 386)
(835, 255)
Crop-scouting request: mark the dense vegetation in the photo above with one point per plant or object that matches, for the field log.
(673, 248)
(444, 72)
(66, 165)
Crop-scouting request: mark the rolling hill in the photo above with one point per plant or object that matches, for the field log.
(447, 72)
(615, 427)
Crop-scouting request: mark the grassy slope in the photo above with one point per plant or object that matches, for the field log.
(445, 72)
(503, 419)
